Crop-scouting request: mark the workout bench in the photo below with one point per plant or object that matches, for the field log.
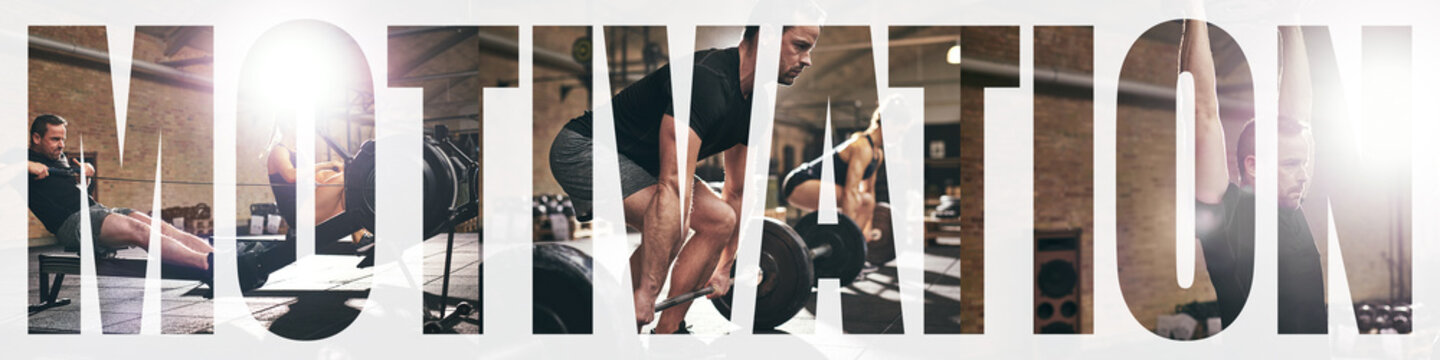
(54, 267)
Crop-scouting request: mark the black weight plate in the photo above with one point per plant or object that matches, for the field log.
(785, 279)
(360, 186)
(881, 251)
(440, 188)
(563, 290)
(846, 257)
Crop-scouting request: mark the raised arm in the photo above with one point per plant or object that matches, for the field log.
(1212, 175)
(1296, 94)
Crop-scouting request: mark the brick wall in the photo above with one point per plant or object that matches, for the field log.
(1145, 183)
(551, 113)
(1064, 151)
(81, 93)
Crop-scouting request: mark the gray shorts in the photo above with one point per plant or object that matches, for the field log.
(69, 232)
(572, 163)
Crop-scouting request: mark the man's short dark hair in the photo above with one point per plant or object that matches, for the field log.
(42, 124)
(752, 30)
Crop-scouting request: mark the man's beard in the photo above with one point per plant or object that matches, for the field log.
(787, 79)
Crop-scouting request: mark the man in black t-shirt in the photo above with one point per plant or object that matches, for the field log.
(723, 82)
(56, 201)
(1225, 212)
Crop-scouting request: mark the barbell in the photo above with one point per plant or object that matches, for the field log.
(791, 262)
(789, 266)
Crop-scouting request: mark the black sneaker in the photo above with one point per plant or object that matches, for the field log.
(210, 270)
(248, 265)
(366, 248)
(682, 330)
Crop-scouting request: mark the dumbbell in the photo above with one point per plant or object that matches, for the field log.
(447, 323)
(1400, 319)
(1365, 317)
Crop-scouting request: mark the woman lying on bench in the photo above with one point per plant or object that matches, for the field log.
(329, 191)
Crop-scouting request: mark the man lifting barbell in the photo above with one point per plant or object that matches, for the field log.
(55, 200)
(650, 178)
(791, 261)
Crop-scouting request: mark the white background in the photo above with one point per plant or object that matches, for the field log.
(389, 326)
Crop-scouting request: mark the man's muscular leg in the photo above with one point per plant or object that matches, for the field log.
(659, 239)
(188, 240)
(714, 223)
(123, 231)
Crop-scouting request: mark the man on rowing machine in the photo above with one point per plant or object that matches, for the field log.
(55, 200)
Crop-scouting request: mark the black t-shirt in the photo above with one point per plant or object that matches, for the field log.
(1301, 282)
(719, 110)
(56, 197)
(1229, 247)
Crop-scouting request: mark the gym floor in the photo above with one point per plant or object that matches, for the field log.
(288, 305)
(184, 304)
(878, 294)
(296, 303)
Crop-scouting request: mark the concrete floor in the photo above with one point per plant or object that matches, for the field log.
(185, 305)
(877, 294)
(313, 298)
(464, 277)
(298, 306)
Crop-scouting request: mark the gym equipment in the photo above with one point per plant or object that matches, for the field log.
(451, 181)
(257, 257)
(54, 267)
(683, 298)
(1365, 317)
(1400, 319)
(563, 290)
(359, 195)
(789, 265)
(450, 320)
(791, 259)
(448, 170)
(881, 251)
(837, 250)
